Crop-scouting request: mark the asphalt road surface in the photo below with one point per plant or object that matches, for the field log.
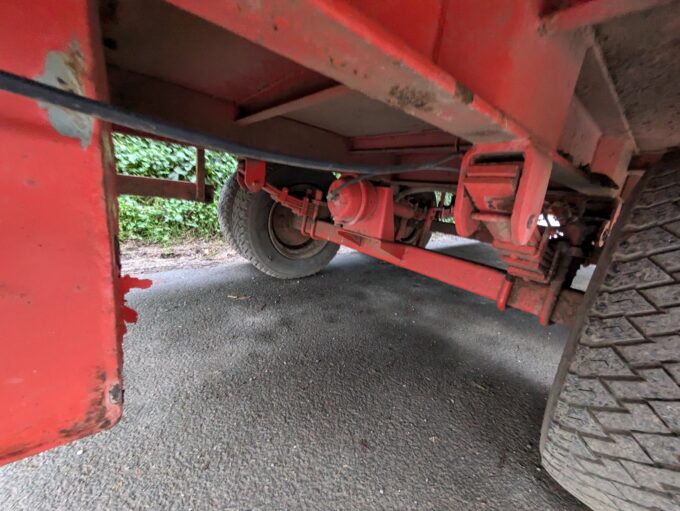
(364, 387)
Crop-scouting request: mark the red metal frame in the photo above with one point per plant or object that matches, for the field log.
(294, 105)
(490, 79)
(310, 31)
(409, 143)
(524, 199)
(538, 299)
(518, 86)
(364, 221)
(62, 301)
(446, 90)
(364, 209)
(254, 175)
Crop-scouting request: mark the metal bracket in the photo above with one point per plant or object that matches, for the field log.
(254, 175)
(503, 187)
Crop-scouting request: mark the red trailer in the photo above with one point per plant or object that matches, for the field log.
(545, 128)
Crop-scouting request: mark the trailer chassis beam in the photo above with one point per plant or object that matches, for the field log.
(546, 300)
(549, 302)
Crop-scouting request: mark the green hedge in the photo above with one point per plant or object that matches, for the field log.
(163, 220)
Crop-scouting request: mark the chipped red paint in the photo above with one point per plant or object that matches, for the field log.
(60, 355)
(125, 284)
(430, 72)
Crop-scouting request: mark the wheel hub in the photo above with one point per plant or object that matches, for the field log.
(288, 240)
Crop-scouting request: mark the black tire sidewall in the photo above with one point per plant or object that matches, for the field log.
(225, 209)
(591, 294)
(262, 251)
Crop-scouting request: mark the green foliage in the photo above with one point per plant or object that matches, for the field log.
(163, 220)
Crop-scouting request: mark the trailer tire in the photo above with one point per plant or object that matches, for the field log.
(611, 432)
(254, 228)
(225, 210)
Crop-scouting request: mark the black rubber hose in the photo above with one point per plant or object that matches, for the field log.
(52, 95)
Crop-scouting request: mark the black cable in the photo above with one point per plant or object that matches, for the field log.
(333, 194)
(47, 94)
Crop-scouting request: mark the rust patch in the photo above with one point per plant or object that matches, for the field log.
(409, 97)
(530, 221)
(116, 394)
(464, 93)
(95, 418)
(65, 70)
(18, 450)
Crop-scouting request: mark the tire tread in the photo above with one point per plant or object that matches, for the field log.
(613, 437)
(240, 233)
(225, 209)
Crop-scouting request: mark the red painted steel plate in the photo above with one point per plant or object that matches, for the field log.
(60, 351)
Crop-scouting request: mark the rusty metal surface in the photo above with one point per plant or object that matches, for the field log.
(567, 307)
(60, 301)
(339, 42)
